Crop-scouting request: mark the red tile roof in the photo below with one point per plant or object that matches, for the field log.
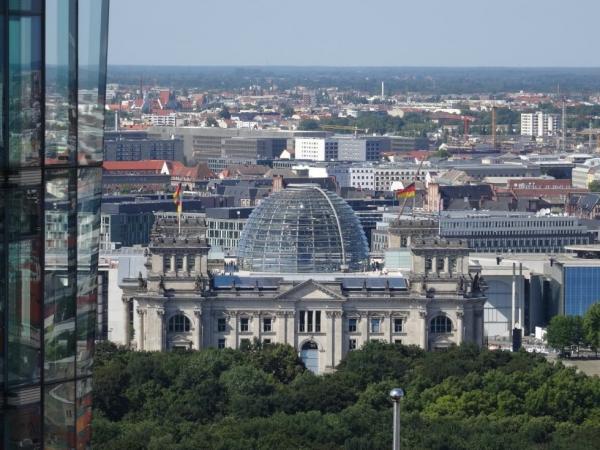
(149, 165)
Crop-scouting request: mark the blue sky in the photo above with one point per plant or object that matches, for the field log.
(355, 32)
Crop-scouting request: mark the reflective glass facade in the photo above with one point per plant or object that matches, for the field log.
(581, 289)
(303, 229)
(52, 83)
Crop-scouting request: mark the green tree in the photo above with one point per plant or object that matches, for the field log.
(591, 326)
(308, 125)
(564, 332)
(594, 186)
(211, 122)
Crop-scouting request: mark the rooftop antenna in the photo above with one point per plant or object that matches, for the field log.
(382, 89)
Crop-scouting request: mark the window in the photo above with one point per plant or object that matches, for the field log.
(167, 263)
(352, 344)
(302, 324)
(179, 262)
(398, 341)
(352, 325)
(398, 325)
(221, 325)
(179, 324)
(376, 325)
(440, 264)
(244, 324)
(428, 263)
(317, 321)
(221, 343)
(440, 324)
(244, 344)
(267, 325)
(267, 341)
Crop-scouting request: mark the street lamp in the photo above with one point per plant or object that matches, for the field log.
(396, 395)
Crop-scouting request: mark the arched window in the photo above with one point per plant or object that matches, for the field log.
(440, 324)
(179, 324)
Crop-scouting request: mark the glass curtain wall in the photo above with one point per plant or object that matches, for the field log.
(52, 89)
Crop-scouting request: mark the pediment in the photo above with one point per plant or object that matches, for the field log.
(310, 290)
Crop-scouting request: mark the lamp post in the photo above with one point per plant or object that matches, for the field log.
(396, 395)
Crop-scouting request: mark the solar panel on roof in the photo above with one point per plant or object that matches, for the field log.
(398, 283)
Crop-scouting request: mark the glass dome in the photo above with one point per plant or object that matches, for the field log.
(303, 229)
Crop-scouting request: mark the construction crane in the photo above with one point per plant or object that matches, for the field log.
(345, 128)
(494, 126)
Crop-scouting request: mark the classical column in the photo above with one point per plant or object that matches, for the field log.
(236, 329)
(330, 317)
(390, 327)
(255, 326)
(434, 264)
(185, 268)
(364, 326)
(198, 333)
(423, 316)
(339, 345)
(141, 337)
(173, 268)
(126, 321)
(459, 327)
(160, 313)
(197, 267)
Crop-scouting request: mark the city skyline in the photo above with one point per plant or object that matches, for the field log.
(427, 34)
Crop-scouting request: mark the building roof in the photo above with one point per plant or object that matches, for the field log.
(303, 229)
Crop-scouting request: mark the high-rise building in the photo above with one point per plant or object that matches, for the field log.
(52, 83)
(539, 124)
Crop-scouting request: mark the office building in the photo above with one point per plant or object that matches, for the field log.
(316, 149)
(502, 232)
(123, 147)
(573, 280)
(224, 227)
(52, 82)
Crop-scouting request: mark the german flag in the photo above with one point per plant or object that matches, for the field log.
(177, 198)
(408, 192)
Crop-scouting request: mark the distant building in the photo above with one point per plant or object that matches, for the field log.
(502, 232)
(316, 149)
(224, 227)
(125, 148)
(574, 280)
(539, 124)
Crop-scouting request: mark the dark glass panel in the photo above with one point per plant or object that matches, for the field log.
(60, 275)
(61, 81)
(83, 421)
(25, 91)
(59, 416)
(23, 426)
(25, 6)
(24, 289)
(89, 193)
(2, 73)
(93, 14)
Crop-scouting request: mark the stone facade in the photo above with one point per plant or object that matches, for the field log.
(180, 305)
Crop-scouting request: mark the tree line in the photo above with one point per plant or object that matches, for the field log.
(264, 398)
(569, 333)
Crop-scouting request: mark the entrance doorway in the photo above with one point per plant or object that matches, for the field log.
(309, 354)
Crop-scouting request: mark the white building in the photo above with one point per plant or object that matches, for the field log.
(539, 124)
(316, 149)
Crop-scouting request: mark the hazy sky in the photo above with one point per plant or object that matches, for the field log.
(355, 32)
